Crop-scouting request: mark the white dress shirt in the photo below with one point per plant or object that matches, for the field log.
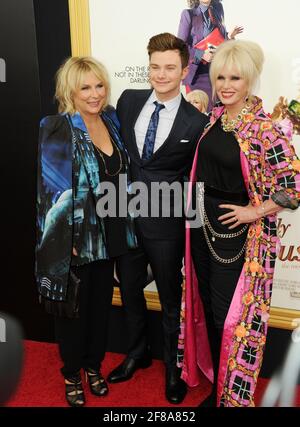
(165, 123)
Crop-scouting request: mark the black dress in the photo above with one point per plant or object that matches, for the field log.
(82, 340)
(219, 168)
(115, 226)
(219, 164)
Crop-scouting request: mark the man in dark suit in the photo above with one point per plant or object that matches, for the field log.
(160, 130)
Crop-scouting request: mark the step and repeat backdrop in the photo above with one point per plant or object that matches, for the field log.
(34, 40)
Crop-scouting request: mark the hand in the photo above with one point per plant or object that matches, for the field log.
(75, 253)
(209, 53)
(237, 30)
(238, 215)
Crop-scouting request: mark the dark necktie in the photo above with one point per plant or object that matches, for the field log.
(151, 132)
(207, 19)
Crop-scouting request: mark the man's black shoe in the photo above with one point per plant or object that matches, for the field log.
(127, 368)
(175, 387)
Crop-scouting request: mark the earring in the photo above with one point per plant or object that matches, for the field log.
(247, 102)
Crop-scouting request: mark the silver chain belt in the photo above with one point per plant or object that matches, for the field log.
(206, 223)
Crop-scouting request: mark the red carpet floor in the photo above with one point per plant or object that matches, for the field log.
(42, 385)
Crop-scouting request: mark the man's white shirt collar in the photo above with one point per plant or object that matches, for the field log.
(169, 105)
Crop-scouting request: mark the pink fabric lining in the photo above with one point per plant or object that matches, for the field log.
(196, 356)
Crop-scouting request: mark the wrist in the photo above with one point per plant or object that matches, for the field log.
(261, 211)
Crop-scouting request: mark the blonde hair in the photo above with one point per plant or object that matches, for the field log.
(246, 56)
(70, 76)
(200, 96)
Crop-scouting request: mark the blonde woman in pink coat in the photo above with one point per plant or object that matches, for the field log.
(245, 170)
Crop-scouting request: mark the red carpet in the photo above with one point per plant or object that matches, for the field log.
(42, 385)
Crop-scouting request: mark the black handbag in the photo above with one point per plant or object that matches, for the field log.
(68, 308)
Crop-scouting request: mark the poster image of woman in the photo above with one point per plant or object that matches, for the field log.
(203, 20)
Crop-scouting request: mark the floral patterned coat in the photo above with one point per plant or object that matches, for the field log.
(269, 165)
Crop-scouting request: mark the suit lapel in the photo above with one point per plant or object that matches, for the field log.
(134, 113)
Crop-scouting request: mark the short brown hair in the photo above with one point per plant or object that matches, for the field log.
(166, 41)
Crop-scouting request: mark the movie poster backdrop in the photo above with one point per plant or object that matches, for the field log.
(119, 36)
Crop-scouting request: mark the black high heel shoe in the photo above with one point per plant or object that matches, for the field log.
(97, 383)
(74, 391)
